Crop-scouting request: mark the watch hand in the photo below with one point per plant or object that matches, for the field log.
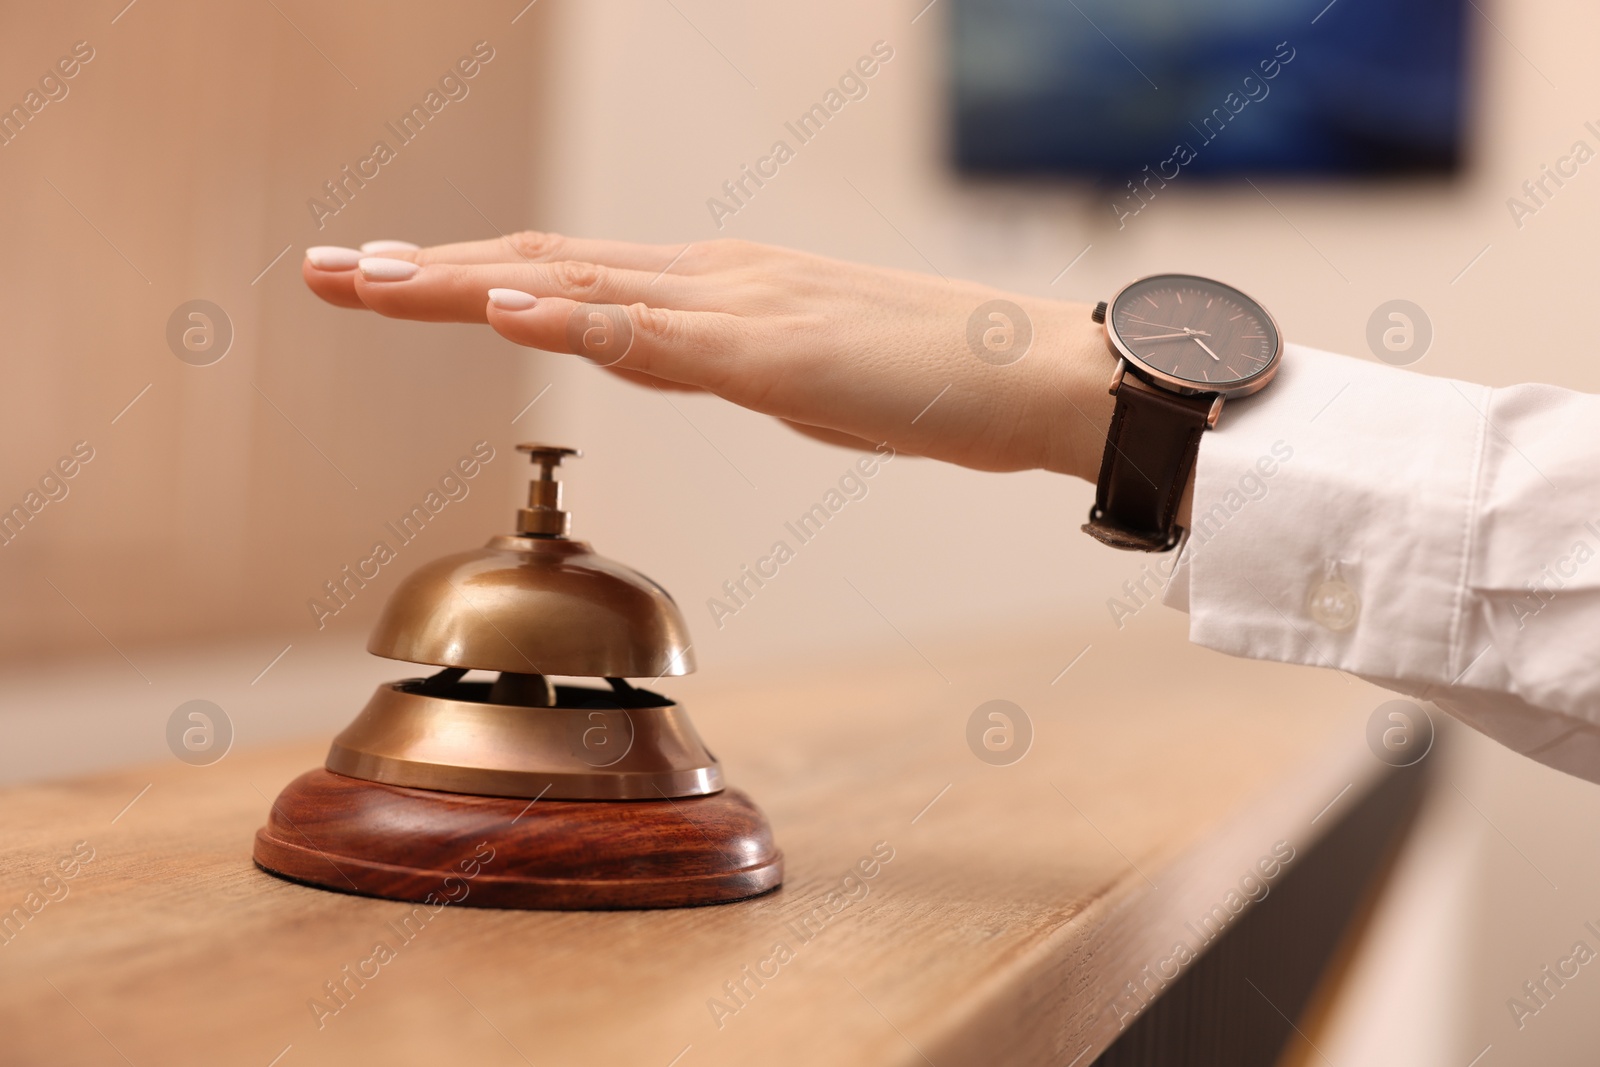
(1161, 337)
(1189, 330)
(1163, 325)
(1207, 347)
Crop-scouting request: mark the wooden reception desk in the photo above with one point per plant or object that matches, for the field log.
(937, 909)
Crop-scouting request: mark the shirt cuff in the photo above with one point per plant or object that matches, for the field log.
(1296, 553)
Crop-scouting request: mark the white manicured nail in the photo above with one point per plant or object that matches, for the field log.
(378, 269)
(332, 257)
(512, 299)
(378, 248)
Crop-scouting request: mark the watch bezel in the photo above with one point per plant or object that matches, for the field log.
(1187, 386)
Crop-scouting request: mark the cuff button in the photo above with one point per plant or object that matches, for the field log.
(1333, 604)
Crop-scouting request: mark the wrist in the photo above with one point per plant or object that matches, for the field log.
(1080, 370)
(1076, 394)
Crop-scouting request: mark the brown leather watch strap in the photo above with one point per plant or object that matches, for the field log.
(1150, 452)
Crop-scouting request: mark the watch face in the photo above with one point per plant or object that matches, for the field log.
(1206, 335)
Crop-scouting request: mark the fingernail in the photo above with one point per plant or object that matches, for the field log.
(512, 299)
(377, 248)
(378, 269)
(332, 257)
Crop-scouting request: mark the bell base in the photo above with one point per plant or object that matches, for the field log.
(353, 836)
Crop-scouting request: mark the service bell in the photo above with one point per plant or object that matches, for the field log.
(586, 796)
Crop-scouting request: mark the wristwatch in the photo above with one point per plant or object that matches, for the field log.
(1184, 344)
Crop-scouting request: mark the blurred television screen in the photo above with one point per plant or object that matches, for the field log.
(1108, 88)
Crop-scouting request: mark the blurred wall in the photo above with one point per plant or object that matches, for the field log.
(176, 164)
(181, 161)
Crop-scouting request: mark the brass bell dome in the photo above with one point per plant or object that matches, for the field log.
(537, 603)
(529, 607)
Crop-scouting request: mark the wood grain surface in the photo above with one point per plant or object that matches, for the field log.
(390, 841)
(936, 909)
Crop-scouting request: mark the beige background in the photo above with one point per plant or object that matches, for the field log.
(179, 166)
(190, 144)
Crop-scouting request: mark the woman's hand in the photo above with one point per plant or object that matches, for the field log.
(851, 354)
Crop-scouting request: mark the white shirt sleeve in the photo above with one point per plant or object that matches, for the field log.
(1435, 537)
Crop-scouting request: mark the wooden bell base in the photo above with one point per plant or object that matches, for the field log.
(355, 836)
